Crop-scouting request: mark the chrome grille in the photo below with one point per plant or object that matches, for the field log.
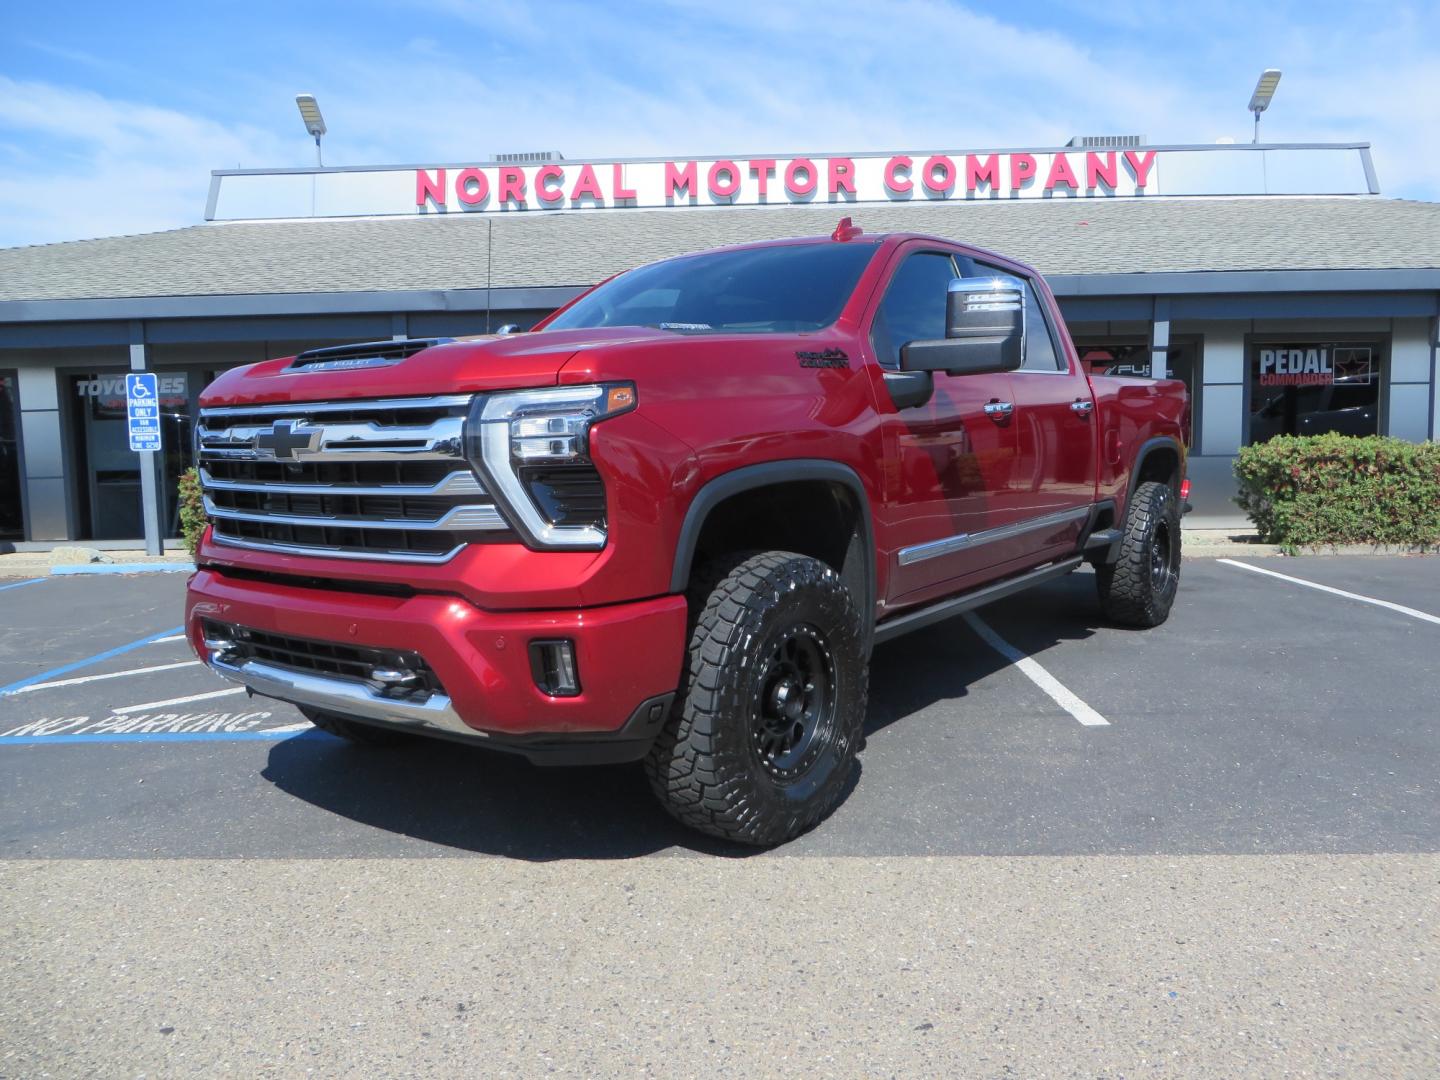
(384, 479)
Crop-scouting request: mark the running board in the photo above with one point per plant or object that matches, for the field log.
(1104, 546)
(957, 605)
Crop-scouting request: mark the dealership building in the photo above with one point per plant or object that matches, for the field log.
(1276, 280)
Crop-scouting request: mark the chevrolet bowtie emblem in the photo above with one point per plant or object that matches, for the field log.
(288, 438)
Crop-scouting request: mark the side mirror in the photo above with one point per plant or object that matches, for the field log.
(984, 330)
(509, 328)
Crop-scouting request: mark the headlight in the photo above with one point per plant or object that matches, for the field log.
(532, 451)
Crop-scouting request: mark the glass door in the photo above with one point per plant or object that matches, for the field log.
(12, 525)
(109, 471)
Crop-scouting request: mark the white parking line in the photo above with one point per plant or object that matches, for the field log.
(97, 678)
(1414, 614)
(172, 637)
(1057, 690)
(176, 701)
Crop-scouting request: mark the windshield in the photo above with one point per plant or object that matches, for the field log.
(770, 290)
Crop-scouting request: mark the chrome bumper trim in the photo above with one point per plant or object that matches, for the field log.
(344, 697)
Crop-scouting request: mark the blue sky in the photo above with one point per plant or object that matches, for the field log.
(112, 115)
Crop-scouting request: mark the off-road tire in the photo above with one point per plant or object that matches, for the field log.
(1139, 589)
(721, 764)
(356, 731)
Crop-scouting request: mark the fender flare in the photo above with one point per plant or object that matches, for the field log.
(768, 474)
(1148, 447)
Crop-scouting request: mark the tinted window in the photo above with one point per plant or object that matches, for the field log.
(1313, 387)
(772, 290)
(1040, 352)
(914, 305)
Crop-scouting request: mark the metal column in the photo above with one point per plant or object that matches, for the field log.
(1159, 338)
(150, 509)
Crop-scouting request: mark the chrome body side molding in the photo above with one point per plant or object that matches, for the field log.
(933, 549)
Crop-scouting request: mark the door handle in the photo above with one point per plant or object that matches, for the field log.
(999, 411)
(1082, 407)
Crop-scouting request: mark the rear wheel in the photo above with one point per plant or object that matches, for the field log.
(762, 741)
(355, 731)
(1139, 589)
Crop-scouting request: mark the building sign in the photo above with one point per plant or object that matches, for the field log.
(743, 180)
(761, 181)
(108, 395)
(1317, 365)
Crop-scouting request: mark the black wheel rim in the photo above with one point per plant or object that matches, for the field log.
(793, 709)
(1162, 570)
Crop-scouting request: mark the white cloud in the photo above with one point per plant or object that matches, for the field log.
(686, 78)
(76, 164)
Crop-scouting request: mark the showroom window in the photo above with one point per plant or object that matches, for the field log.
(1131, 356)
(12, 526)
(1314, 387)
(107, 471)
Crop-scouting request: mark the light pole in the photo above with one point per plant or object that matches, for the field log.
(314, 122)
(1259, 101)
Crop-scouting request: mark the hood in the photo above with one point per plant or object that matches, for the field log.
(417, 367)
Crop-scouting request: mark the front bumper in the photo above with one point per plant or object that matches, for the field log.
(628, 657)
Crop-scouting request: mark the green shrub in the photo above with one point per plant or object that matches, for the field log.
(192, 510)
(1303, 491)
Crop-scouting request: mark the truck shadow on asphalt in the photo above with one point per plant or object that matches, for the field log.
(494, 803)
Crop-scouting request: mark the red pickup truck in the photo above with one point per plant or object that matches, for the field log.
(671, 523)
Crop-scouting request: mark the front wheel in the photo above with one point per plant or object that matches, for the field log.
(1139, 589)
(762, 741)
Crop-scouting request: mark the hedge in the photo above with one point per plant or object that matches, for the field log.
(192, 510)
(1304, 491)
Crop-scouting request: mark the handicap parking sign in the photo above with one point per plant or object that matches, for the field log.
(142, 411)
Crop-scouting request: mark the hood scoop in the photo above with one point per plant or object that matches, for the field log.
(367, 354)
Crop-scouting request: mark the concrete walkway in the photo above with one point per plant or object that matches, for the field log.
(73, 558)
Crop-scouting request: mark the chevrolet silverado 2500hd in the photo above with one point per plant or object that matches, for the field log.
(671, 523)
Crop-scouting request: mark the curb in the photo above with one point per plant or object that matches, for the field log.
(124, 568)
(1229, 551)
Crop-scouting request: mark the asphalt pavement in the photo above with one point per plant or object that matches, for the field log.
(1229, 868)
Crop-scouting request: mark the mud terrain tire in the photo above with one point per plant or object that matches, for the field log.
(1140, 588)
(762, 740)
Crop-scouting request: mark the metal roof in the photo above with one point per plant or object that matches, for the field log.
(537, 250)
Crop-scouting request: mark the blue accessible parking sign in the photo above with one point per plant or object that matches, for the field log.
(142, 411)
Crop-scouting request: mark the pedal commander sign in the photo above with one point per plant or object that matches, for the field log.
(1317, 365)
(749, 180)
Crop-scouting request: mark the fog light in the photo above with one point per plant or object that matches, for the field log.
(553, 665)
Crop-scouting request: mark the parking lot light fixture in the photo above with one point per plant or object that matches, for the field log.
(314, 122)
(1260, 99)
